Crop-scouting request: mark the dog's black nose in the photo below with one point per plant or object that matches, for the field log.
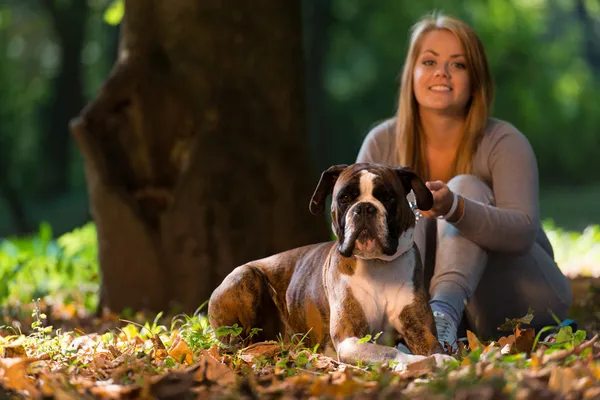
(365, 209)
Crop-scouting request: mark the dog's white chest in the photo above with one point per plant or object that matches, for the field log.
(383, 289)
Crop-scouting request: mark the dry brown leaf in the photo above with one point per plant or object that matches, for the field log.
(340, 384)
(15, 376)
(13, 350)
(592, 393)
(213, 370)
(561, 380)
(583, 383)
(504, 340)
(474, 342)
(524, 339)
(111, 391)
(324, 363)
(180, 351)
(261, 349)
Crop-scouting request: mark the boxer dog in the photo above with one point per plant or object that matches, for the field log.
(368, 281)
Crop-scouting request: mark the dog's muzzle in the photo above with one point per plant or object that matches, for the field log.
(363, 230)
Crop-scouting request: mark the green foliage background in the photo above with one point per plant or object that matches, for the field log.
(545, 58)
(545, 84)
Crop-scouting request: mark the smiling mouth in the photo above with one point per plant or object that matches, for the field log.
(440, 88)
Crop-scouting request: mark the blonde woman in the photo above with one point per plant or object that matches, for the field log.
(487, 255)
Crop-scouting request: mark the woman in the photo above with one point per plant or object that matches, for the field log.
(486, 255)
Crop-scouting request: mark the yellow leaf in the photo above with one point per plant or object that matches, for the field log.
(13, 350)
(180, 351)
(474, 343)
(15, 375)
(159, 352)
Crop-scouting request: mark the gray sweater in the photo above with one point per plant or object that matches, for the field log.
(505, 161)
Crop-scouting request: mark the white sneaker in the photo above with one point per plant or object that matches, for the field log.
(446, 330)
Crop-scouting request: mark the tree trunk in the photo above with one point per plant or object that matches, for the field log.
(69, 20)
(195, 149)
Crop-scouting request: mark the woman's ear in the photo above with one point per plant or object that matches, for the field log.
(410, 180)
(325, 187)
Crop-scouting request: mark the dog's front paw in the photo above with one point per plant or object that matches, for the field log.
(404, 361)
(440, 359)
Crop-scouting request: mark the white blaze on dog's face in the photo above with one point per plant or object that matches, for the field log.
(370, 214)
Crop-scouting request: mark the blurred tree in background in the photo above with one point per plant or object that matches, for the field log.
(545, 57)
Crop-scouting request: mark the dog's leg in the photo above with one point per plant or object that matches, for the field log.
(418, 329)
(417, 326)
(243, 299)
(348, 325)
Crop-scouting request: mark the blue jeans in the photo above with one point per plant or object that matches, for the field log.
(485, 287)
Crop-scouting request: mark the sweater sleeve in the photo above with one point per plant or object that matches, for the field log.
(512, 223)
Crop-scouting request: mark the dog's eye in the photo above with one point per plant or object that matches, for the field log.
(345, 198)
(384, 196)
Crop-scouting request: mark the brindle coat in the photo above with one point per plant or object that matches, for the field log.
(329, 292)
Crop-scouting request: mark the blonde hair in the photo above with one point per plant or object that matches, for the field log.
(408, 130)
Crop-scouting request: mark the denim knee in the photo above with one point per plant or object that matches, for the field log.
(472, 187)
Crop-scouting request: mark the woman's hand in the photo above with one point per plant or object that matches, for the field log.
(443, 198)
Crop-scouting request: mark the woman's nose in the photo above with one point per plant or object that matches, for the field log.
(442, 70)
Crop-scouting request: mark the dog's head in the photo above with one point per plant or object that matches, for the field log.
(369, 209)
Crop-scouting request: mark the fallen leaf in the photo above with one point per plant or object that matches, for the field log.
(180, 351)
(336, 385)
(112, 391)
(13, 350)
(504, 340)
(561, 380)
(212, 370)
(159, 352)
(324, 363)
(15, 376)
(592, 393)
(261, 349)
(512, 324)
(474, 342)
(524, 339)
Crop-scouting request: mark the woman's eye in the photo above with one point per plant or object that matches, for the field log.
(460, 65)
(428, 62)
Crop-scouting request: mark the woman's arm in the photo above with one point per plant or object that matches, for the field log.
(512, 223)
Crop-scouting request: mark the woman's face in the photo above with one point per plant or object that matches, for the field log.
(440, 77)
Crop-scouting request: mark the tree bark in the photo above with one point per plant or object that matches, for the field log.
(195, 149)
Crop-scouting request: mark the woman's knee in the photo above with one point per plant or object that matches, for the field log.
(472, 187)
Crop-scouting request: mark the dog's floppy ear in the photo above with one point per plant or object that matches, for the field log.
(325, 187)
(410, 180)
